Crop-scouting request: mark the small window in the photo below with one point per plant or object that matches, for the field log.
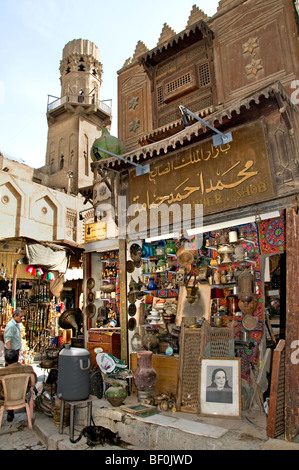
(61, 162)
(160, 96)
(204, 75)
(178, 82)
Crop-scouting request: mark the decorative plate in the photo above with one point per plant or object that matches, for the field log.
(130, 265)
(91, 310)
(132, 310)
(135, 251)
(90, 283)
(249, 322)
(132, 324)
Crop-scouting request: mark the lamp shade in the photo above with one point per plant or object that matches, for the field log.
(29, 269)
(217, 293)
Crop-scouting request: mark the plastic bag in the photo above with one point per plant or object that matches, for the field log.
(109, 364)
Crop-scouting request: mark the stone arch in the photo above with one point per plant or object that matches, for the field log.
(44, 213)
(11, 202)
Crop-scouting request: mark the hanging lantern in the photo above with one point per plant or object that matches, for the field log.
(39, 272)
(29, 270)
(50, 277)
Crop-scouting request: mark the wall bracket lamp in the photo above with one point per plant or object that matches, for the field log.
(140, 169)
(218, 139)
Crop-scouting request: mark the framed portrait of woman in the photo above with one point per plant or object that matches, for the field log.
(220, 387)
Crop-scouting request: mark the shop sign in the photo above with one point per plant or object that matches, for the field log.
(233, 175)
(95, 232)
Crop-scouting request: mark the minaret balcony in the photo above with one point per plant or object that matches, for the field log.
(54, 103)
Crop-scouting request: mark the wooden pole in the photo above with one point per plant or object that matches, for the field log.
(292, 326)
(123, 299)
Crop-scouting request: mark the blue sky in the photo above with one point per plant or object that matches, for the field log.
(32, 36)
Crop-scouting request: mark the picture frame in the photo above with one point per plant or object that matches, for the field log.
(220, 387)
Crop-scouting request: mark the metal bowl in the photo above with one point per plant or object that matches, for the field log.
(225, 249)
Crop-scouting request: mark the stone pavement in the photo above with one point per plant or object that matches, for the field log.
(161, 432)
(17, 436)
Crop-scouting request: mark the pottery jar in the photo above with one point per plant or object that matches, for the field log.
(116, 394)
(144, 374)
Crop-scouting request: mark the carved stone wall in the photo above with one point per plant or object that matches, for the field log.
(32, 210)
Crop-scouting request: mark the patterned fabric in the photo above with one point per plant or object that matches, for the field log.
(272, 236)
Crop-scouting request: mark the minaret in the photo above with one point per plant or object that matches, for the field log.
(76, 118)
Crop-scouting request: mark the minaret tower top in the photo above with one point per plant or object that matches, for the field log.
(80, 68)
(76, 118)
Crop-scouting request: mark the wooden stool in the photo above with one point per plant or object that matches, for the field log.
(73, 405)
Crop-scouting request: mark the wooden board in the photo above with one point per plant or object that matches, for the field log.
(292, 326)
(166, 368)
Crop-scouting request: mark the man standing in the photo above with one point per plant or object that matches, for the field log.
(12, 332)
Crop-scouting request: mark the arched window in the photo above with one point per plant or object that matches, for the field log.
(61, 162)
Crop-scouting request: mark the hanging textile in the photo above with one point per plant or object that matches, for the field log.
(54, 259)
(272, 237)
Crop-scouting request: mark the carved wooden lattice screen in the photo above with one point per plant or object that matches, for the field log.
(191, 350)
(206, 341)
(220, 341)
(276, 416)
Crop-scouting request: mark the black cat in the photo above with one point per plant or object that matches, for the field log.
(96, 435)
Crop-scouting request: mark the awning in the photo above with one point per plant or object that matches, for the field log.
(53, 259)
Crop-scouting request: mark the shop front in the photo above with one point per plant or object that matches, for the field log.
(207, 264)
(45, 281)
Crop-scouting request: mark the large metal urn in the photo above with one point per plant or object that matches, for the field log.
(73, 374)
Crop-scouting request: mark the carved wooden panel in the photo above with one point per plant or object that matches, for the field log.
(191, 349)
(134, 106)
(245, 60)
(276, 415)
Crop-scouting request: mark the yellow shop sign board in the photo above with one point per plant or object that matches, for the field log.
(95, 232)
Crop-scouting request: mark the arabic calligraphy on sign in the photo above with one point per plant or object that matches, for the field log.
(220, 178)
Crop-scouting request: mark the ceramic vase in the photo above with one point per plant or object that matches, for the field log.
(144, 375)
(152, 285)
